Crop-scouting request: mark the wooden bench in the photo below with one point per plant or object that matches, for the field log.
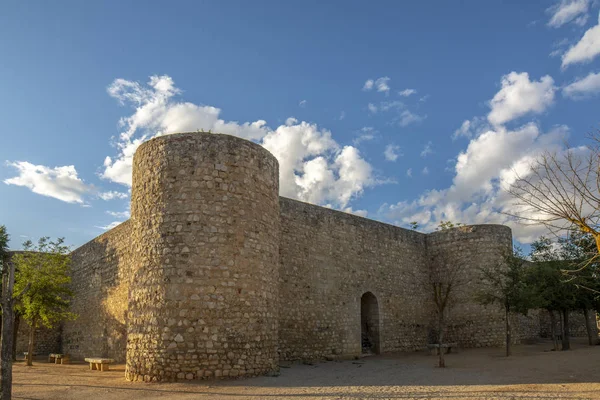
(435, 347)
(59, 358)
(99, 364)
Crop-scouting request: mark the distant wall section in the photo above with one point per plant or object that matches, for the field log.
(469, 323)
(100, 281)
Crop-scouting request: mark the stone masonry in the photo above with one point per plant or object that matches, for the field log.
(215, 275)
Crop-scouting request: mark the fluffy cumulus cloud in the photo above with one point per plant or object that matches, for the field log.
(585, 50)
(61, 183)
(566, 11)
(157, 114)
(520, 96)
(392, 152)
(313, 166)
(482, 172)
(584, 87)
(379, 84)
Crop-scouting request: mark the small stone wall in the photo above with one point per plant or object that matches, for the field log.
(45, 341)
(100, 281)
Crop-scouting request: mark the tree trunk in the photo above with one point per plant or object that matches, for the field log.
(553, 329)
(508, 336)
(16, 325)
(8, 280)
(441, 360)
(566, 345)
(30, 346)
(590, 329)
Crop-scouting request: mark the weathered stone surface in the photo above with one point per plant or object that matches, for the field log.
(100, 281)
(205, 239)
(216, 276)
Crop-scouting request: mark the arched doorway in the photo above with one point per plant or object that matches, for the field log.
(369, 323)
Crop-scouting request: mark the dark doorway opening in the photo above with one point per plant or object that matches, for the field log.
(369, 322)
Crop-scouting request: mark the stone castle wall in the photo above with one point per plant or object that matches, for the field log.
(329, 259)
(215, 275)
(46, 340)
(100, 281)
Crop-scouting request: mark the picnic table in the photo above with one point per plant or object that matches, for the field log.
(58, 358)
(99, 363)
(435, 347)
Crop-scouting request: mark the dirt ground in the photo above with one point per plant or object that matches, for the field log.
(532, 373)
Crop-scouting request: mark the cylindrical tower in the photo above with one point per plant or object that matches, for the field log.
(203, 296)
(466, 250)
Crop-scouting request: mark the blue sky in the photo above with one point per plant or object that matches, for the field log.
(392, 110)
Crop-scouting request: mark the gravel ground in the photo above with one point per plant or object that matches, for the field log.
(532, 373)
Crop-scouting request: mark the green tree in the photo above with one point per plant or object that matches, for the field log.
(568, 279)
(556, 292)
(506, 284)
(45, 268)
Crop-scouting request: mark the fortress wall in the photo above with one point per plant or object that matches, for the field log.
(576, 323)
(329, 259)
(204, 296)
(46, 341)
(469, 323)
(100, 281)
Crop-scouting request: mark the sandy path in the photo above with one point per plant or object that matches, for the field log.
(472, 374)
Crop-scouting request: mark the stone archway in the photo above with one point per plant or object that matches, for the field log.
(369, 324)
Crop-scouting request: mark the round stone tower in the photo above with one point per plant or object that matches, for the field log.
(470, 248)
(203, 296)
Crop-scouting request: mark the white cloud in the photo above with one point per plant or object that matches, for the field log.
(425, 171)
(409, 172)
(380, 84)
(312, 166)
(342, 115)
(111, 195)
(109, 226)
(566, 11)
(392, 152)
(372, 108)
(583, 87)
(585, 50)
(367, 133)
(469, 128)
(406, 118)
(157, 114)
(482, 173)
(61, 183)
(520, 96)
(427, 150)
(302, 103)
(119, 214)
(407, 92)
